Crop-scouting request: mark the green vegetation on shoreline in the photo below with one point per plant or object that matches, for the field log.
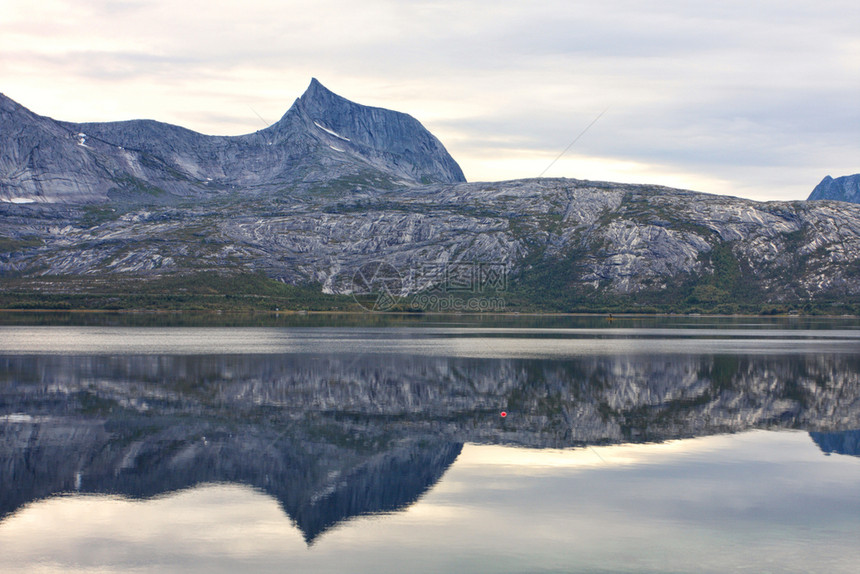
(543, 292)
(206, 291)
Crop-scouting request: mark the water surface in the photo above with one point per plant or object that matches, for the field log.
(677, 447)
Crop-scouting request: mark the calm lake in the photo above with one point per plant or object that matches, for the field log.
(451, 444)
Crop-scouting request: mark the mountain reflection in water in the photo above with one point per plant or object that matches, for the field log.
(336, 436)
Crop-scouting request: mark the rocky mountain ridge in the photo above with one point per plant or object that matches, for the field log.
(321, 138)
(334, 187)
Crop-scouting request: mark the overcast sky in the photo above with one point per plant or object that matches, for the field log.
(758, 99)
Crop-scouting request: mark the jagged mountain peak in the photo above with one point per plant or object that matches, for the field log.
(317, 90)
(383, 137)
(845, 188)
(317, 96)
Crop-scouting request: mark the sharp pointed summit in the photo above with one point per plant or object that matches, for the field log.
(383, 137)
(315, 89)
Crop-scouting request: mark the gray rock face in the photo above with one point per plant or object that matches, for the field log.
(845, 188)
(561, 235)
(42, 161)
(321, 139)
(389, 140)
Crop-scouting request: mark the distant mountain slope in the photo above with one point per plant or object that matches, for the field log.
(564, 245)
(845, 188)
(323, 138)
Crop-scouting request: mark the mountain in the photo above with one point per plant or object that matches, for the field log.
(323, 138)
(845, 188)
(143, 214)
